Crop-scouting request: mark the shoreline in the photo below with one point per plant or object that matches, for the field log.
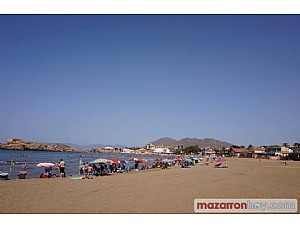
(152, 191)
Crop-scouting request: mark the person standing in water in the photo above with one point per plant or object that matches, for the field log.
(23, 171)
(24, 166)
(62, 166)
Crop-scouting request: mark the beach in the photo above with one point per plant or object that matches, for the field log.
(153, 191)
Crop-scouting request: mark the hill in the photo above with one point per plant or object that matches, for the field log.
(19, 144)
(206, 142)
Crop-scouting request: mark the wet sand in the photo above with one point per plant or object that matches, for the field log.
(153, 191)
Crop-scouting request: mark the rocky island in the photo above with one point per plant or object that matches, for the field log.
(19, 144)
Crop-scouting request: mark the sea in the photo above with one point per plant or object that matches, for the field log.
(11, 161)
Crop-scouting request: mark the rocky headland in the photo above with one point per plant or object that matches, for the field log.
(19, 144)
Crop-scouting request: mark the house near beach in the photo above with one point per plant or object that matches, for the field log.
(159, 149)
(257, 152)
(284, 152)
(209, 151)
(240, 152)
(145, 151)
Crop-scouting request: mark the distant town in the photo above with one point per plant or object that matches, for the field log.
(283, 152)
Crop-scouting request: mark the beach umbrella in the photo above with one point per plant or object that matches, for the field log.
(188, 160)
(220, 160)
(123, 161)
(141, 160)
(115, 160)
(118, 161)
(101, 160)
(45, 165)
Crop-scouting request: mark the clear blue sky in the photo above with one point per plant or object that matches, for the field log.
(131, 79)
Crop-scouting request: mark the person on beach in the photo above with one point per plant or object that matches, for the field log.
(23, 171)
(62, 165)
(110, 168)
(82, 170)
(48, 169)
(96, 170)
(102, 169)
(24, 166)
(86, 171)
(207, 161)
(90, 169)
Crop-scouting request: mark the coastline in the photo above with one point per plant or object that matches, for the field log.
(152, 191)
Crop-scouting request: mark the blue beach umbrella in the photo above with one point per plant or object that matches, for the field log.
(123, 161)
(188, 160)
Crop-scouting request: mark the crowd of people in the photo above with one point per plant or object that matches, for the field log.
(90, 169)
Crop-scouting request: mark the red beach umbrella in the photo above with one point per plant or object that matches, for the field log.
(114, 160)
(141, 160)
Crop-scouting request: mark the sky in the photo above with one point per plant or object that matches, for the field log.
(131, 79)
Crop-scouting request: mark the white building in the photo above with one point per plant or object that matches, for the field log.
(127, 151)
(162, 151)
(108, 148)
(284, 151)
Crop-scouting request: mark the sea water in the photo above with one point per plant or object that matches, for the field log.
(11, 161)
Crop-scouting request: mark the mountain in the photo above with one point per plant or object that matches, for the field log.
(165, 141)
(206, 142)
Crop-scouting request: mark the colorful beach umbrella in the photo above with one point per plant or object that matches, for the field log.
(220, 160)
(102, 160)
(115, 160)
(118, 161)
(123, 161)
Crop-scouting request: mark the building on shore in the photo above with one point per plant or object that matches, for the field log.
(240, 152)
(258, 152)
(284, 152)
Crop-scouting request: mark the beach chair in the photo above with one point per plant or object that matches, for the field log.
(218, 165)
(4, 176)
(221, 165)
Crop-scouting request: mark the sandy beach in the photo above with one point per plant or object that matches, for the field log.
(153, 191)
